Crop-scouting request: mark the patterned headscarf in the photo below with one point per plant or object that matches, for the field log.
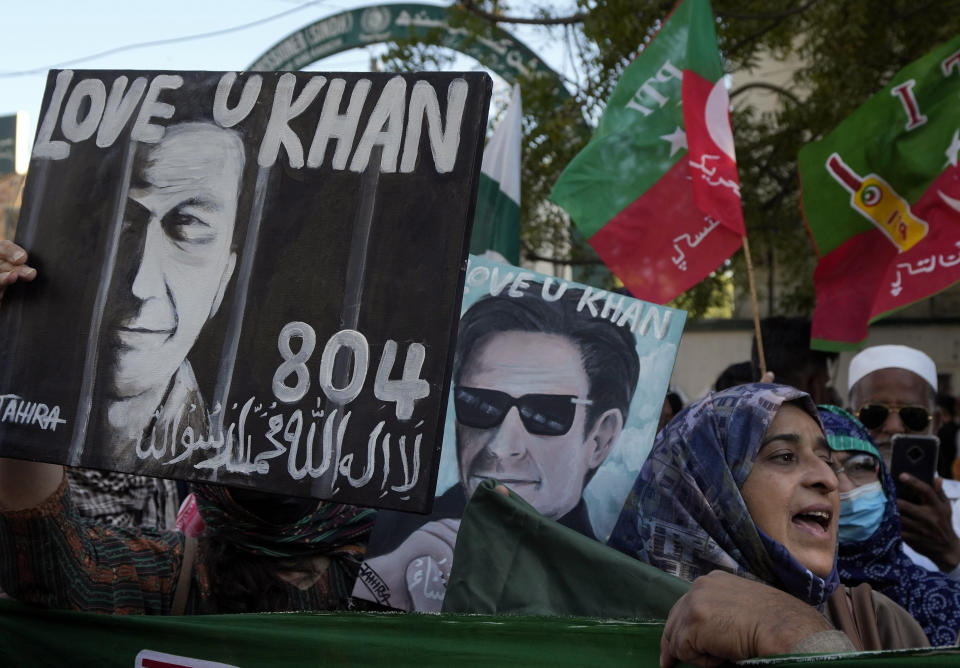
(685, 513)
(330, 527)
(122, 499)
(930, 597)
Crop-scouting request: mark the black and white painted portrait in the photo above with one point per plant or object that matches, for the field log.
(175, 258)
(234, 269)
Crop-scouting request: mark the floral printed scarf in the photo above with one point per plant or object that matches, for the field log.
(685, 513)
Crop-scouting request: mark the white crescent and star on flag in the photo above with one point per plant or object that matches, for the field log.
(716, 113)
(677, 139)
(952, 151)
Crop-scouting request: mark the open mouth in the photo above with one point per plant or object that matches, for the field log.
(815, 521)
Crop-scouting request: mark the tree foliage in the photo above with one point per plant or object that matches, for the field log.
(838, 53)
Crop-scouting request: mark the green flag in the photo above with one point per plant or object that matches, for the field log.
(881, 196)
(496, 225)
(656, 190)
(510, 559)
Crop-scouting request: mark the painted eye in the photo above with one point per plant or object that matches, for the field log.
(135, 215)
(871, 196)
(185, 228)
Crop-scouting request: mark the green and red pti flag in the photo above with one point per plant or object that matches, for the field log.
(881, 196)
(656, 190)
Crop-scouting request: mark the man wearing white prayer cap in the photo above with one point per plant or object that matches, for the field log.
(893, 391)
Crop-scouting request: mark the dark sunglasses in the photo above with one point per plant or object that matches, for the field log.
(541, 414)
(914, 418)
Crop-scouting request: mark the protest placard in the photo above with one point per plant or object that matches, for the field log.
(557, 391)
(244, 278)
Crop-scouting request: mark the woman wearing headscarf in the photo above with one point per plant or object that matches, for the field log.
(871, 547)
(738, 491)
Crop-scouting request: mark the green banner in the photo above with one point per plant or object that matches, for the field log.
(34, 637)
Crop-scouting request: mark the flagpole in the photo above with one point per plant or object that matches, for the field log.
(756, 306)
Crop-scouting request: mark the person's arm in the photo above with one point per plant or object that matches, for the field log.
(728, 618)
(897, 628)
(56, 559)
(13, 265)
(927, 526)
(27, 484)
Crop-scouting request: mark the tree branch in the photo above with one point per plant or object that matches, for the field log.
(765, 16)
(768, 86)
(778, 19)
(471, 7)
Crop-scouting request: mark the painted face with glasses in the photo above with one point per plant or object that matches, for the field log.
(521, 406)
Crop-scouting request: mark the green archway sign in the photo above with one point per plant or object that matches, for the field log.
(494, 48)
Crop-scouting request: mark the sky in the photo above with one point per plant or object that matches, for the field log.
(44, 34)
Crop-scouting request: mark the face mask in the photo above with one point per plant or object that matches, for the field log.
(861, 511)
